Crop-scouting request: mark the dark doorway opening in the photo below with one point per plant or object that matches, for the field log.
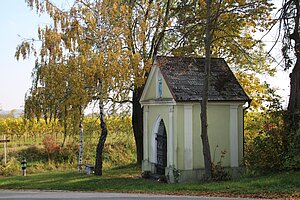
(161, 139)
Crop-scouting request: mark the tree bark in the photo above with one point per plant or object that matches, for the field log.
(65, 126)
(103, 136)
(80, 146)
(137, 123)
(204, 126)
(137, 110)
(294, 101)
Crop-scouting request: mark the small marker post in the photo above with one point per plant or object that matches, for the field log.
(23, 164)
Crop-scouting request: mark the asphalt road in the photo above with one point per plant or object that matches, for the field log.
(66, 195)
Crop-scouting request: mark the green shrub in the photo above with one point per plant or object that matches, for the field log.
(68, 153)
(272, 142)
(292, 159)
(12, 167)
(32, 154)
(264, 142)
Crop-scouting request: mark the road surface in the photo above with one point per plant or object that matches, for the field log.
(66, 195)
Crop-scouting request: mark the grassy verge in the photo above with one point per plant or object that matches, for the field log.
(126, 180)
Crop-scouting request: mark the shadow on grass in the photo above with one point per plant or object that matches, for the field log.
(125, 179)
(132, 166)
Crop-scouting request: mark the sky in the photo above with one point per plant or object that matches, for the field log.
(17, 21)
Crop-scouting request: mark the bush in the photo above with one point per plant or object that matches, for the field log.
(292, 158)
(218, 170)
(12, 167)
(265, 153)
(68, 153)
(32, 154)
(265, 142)
(51, 146)
(272, 142)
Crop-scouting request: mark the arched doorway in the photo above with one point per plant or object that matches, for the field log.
(161, 149)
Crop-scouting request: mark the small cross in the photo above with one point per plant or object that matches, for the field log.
(4, 141)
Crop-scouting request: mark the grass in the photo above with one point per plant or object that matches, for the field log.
(126, 179)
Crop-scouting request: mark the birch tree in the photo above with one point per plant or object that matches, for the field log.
(76, 52)
(113, 42)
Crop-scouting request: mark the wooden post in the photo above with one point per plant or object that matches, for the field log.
(4, 145)
(4, 141)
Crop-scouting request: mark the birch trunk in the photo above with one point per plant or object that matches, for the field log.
(80, 147)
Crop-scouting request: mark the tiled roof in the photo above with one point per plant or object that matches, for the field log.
(185, 78)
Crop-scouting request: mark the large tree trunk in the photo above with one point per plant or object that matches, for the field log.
(137, 110)
(100, 147)
(137, 123)
(294, 101)
(102, 139)
(204, 126)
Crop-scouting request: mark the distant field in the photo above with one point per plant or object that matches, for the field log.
(41, 144)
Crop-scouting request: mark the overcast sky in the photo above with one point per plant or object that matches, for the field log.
(17, 21)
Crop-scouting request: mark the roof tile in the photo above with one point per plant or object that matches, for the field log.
(185, 78)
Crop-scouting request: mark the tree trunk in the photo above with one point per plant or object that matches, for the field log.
(204, 126)
(137, 110)
(80, 146)
(65, 127)
(137, 123)
(102, 139)
(294, 101)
